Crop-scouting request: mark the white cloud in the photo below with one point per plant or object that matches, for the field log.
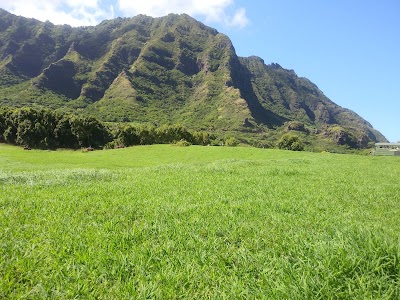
(91, 12)
(239, 19)
(212, 10)
(72, 12)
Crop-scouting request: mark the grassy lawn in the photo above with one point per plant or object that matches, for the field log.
(165, 222)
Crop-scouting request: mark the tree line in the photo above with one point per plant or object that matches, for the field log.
(46, 129)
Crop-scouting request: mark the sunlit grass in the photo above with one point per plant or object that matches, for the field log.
(198, 222)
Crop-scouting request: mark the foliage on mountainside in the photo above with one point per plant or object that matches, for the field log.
(165, 70)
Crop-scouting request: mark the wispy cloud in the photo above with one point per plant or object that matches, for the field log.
(91, 12)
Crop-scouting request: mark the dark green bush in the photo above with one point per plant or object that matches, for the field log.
(290, 142)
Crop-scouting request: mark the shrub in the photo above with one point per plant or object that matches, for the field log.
(182, 143)
(263, 144)
(110, 145)
(202, 138)
(290, 142)
(217, 142)
(231, 142)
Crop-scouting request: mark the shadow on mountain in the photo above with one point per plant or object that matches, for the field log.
(242, 79)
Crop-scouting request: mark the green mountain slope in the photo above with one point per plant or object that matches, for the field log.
(172, 69)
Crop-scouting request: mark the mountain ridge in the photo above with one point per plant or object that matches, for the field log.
(164, 70)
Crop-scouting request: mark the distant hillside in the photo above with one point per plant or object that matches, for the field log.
(172, 69)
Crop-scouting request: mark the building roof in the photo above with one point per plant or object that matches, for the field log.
(387, 144)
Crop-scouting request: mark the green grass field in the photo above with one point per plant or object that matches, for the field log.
(165, 222)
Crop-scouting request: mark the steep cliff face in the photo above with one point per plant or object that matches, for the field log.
(160, 70)
(285, 94)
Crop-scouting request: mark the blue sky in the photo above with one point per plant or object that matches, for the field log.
(349, 49)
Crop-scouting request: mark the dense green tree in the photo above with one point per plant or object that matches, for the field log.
(202, 138)
(63, 133)
(46, 129)
(10, 127)
(5, 113)
(35, 128)
(148, 135)
(127, 135)
(173, 133)
(26, 133)
(89, 132)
